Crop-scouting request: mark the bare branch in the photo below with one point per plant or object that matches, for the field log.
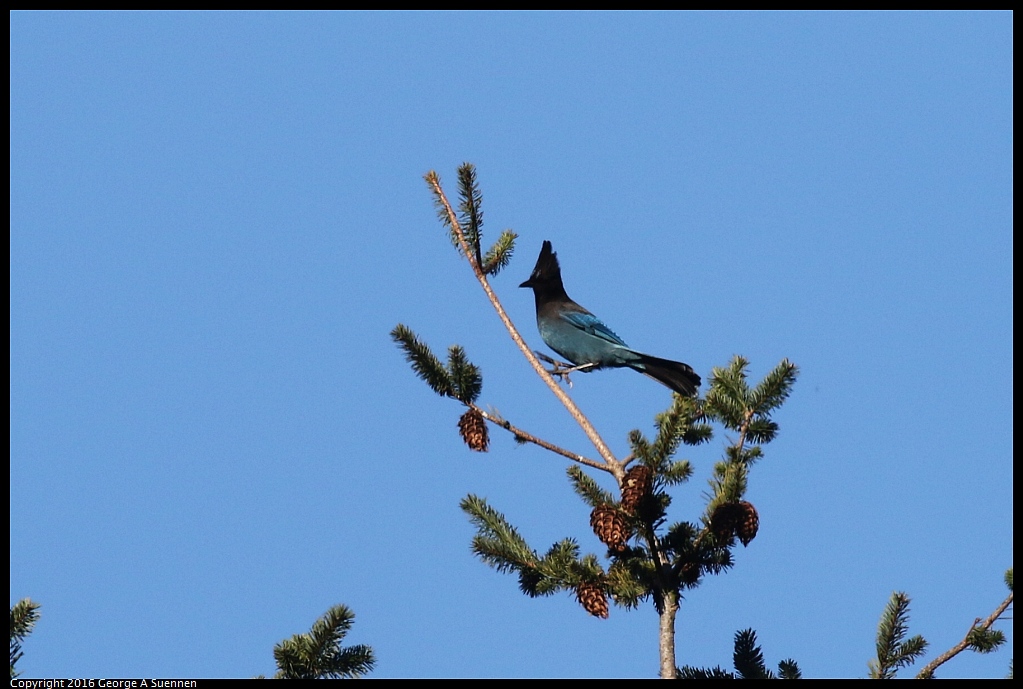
(530, 438)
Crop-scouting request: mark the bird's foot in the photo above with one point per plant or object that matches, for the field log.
(561, 369)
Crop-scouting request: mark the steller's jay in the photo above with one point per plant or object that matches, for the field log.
(579, 336)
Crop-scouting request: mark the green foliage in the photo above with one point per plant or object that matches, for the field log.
(500, 254)
(319, 654)
(584, 485)
(499, 544)
(647, 558)
(731, 401)
(461, 378)
(748, 660)
(470, 209)
(425, 364)
(894, 650)
(1008, 578)
(680, 423)
(24, 615)
(984, 640)
(470, 222)
(466, 379)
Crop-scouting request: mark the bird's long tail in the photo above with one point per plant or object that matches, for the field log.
(676, 375)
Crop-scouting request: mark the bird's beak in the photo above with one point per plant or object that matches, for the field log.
(527, 283)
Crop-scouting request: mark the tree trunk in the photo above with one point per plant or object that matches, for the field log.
(667, 635)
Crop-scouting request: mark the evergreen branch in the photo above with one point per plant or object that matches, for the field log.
(728, 396)
(450, 220)
(497, 542)
(24, 615)
(679, 424)
(788, 669)
(500, 254)
(894, 651)
(558, 570)
(353, 661)
(761, 430)
(748, 658)
(471, 211)
(981, 638)
(640, 446)
(689, 672)
(775, 388)
(318, 654)
(425, 364)
(626, 588)
(587, 488)
(525, 437)
(444, 213)
(466, 379)
(674, 473)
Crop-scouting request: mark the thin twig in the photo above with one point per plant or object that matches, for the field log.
(928, 670)
(529, 437)
(612, 464)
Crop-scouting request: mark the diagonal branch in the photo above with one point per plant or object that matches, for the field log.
(928, 670)
(611, 464)
(530, 438)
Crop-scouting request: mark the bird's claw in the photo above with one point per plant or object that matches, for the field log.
(561, 369)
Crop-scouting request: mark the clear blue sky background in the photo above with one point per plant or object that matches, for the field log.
(216, 220)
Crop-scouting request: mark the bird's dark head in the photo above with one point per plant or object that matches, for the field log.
(546, 276)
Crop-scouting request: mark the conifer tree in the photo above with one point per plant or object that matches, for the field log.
(648, 558)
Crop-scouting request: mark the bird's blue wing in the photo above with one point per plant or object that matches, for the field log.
(586, 321)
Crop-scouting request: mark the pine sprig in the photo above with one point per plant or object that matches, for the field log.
(985, 640)
(497, 542)
(748, 657)
(24, 615)
(466, 379)
(470, 209)
(775, 388)
(626, 589)
(433, 182)
(728, 396)
(587, 488)
(500, 254)
(318, 654)
(424, 362)
(675, 473)
(748, 660)
(788, 669)
(894, 650)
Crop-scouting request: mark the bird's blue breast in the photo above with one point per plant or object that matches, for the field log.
(582, 338)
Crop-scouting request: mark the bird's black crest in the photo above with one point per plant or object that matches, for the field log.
(547, 271)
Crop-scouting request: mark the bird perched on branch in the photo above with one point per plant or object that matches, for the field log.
(579, 336)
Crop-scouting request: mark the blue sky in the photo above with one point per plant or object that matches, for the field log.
(216, 220)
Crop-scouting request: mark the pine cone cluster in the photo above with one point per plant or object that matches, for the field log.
(735, 519)
(635, 487)
(610, 526)
(473, 429)
(593, 599)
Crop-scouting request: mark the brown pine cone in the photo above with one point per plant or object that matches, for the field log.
(636, 486)
(593, 599)
(749, 523)
(473, 429)
(610, 526)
